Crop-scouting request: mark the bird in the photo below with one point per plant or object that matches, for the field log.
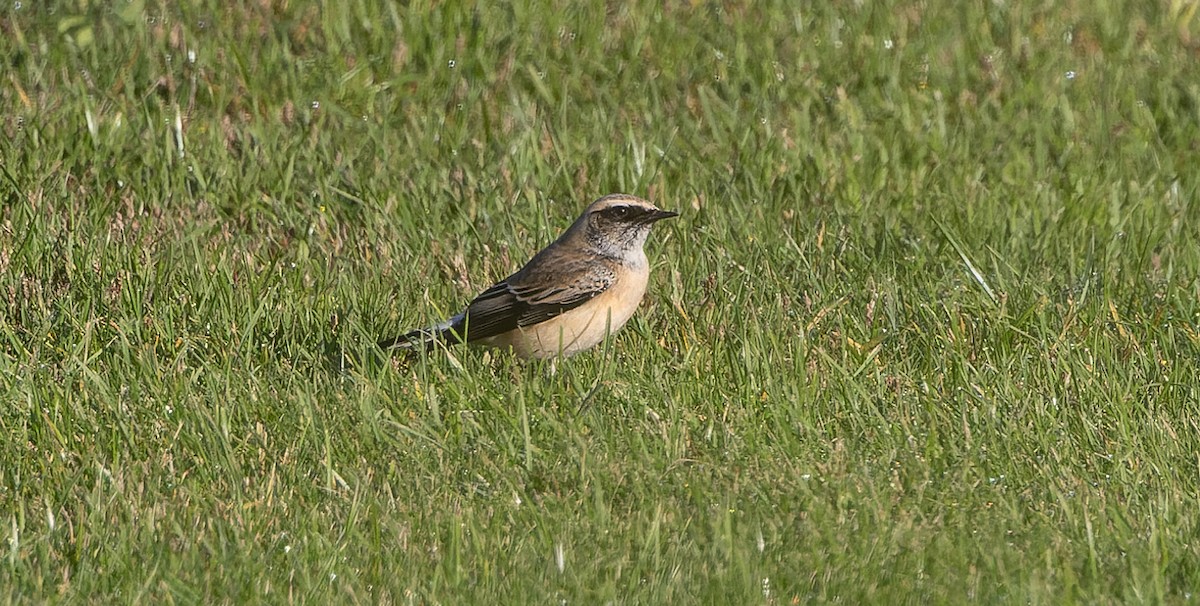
(569, 297)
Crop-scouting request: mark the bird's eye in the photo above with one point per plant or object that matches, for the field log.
(621, 211)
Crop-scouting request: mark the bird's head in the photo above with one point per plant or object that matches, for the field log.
(618, 224)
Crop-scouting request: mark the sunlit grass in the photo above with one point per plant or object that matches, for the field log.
(927, 330)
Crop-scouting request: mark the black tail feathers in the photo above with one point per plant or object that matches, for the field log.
(422, 338)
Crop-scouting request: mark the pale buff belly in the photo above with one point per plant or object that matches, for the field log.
(580, 328)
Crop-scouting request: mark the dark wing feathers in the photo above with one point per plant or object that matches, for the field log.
(534, 294)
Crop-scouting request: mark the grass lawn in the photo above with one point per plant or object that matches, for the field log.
(927, 330)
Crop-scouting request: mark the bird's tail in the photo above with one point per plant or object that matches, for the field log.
(425, 338)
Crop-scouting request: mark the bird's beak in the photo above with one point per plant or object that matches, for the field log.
(658, 215)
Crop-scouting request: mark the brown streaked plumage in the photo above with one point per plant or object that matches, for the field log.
(581, 288)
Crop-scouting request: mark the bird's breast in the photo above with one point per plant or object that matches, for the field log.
(582, 327)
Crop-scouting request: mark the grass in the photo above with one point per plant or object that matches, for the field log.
(927, 331)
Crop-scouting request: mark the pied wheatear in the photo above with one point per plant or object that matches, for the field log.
(581, 288)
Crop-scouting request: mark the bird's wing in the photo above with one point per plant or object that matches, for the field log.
(533, 295)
